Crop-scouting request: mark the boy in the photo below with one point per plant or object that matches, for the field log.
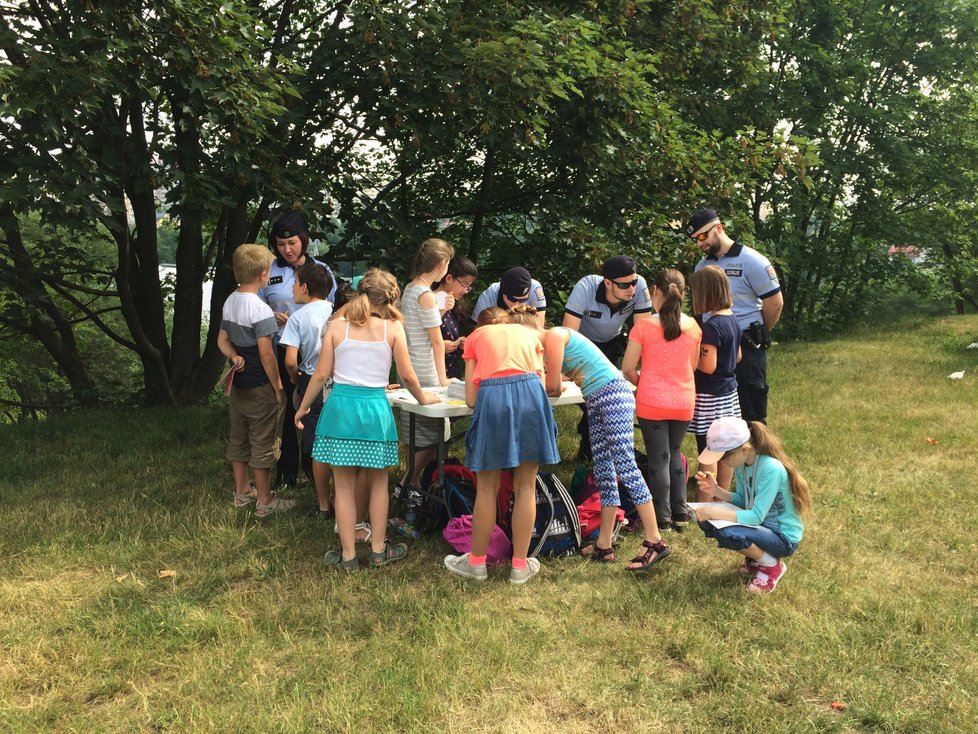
(304, 334)
(257, 399)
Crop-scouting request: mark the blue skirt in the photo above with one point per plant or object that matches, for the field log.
(513, 422)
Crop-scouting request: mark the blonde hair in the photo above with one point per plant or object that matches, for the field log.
(492, 315)
(766, 443)
(376, 295)
(711, 290)
(523, 315)
(250, 261)
(672, 286)
(432, 253)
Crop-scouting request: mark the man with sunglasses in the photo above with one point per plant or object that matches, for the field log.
(757, 304)
(598, 308)
(516, 286)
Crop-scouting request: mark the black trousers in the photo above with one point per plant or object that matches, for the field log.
(752, 387)
(287, 467)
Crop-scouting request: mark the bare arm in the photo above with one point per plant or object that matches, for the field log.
(405, 370)
(640, 316)
(471, 386)
(629, 364)
(771, 310)
(541, 319)
(708, 359)
(427, 300)
(553, 354)
(266, 352)
(292, 363)
(226, 346)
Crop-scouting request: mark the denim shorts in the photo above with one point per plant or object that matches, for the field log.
(741, 537)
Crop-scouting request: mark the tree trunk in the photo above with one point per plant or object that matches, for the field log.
(45, 320)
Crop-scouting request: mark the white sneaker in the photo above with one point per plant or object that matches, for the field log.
(459, 565)
(522, 575)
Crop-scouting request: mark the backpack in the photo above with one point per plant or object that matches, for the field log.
(557, 529)
(454, 497)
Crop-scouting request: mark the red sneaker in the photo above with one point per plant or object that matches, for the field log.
(767, 577)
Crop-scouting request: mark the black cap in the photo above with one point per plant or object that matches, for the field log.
(618, 267)
(515, 283)
(700, 219)
(288, 225)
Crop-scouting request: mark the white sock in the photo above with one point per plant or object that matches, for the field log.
(767, 560)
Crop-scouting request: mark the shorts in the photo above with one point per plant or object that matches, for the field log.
(255, 418)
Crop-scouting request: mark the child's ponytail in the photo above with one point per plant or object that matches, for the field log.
(376, 295)
(672, 286)
(766, 443)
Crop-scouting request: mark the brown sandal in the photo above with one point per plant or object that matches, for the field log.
(647, 559)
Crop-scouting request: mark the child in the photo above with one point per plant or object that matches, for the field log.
(257, 398)
(356, 427)
(668, 346)
(304, 333)
(716, 376)
(454, 309)
(422, 326)
(611, 407)
(772, 492)
(512, 426)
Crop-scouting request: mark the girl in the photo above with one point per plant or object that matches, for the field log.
(716, 378)
(611, 407)
(513, 426)
(772, 492)
(667, 344)
(422, 325)
(454, 309)
(356, 427)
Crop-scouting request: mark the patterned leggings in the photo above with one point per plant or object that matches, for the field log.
(611, 412)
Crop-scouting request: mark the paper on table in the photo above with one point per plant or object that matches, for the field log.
(726, 506)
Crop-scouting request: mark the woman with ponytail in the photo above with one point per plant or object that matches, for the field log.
(771, 500)
(667, 345)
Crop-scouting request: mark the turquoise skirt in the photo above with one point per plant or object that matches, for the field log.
(356, 428)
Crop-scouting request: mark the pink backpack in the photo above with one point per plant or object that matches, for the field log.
(458, 533)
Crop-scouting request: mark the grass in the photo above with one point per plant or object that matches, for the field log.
(253, 633)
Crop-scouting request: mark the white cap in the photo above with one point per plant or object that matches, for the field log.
(724, 434)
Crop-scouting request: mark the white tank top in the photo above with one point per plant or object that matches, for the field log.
(360, 363)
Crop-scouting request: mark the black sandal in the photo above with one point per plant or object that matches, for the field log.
(646, 559)
(601, 555)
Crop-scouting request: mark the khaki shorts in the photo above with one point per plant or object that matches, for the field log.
(256, 426)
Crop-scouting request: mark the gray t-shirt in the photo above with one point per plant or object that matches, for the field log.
(490, 297)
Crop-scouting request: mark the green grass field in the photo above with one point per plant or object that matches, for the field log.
(252, 632)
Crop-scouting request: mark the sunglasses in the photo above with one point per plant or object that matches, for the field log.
(523, 299)
(701, 237)
(625, 286)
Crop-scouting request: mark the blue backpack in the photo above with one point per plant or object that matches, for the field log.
(557, 529)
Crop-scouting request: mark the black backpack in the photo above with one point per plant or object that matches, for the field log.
(557, 530)
(454, 496)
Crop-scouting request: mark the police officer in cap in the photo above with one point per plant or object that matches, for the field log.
(757, 304)
(598, 308)
(516, 286)
(288, 238)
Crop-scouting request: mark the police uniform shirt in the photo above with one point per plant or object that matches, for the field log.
(600, 321)
(490, 297)
(278, 292)
(752, 279)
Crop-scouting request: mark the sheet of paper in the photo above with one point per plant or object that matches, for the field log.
(724, 505)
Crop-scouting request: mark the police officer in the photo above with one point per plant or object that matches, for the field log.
(516, 286)
(288, 238)
(598, 308)
(757, 304)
